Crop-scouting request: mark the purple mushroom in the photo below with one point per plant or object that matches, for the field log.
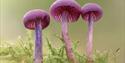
(65, 11)
(91, 12)
(37, 20)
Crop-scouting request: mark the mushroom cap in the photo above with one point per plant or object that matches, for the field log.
(70, 6)
(92, 9)
(36, 15)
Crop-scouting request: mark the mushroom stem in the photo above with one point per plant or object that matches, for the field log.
(38, 43)
(90, 39)
(67, 41)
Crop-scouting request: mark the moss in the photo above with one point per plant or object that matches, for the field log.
(22, 52)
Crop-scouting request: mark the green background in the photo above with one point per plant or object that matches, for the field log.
(109, 32)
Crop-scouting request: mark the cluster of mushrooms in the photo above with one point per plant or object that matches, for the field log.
(63, 11)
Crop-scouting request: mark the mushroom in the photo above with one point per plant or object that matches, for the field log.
(65, 11)
(91, 12)
(37, 20)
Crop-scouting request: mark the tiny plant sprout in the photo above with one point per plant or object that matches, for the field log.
(65, 11)
(91, 12)
(37, 20)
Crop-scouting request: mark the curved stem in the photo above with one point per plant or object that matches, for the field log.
(38, 43)
(90, 39)
(68, 42)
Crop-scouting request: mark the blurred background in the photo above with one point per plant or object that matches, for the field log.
(109, 32)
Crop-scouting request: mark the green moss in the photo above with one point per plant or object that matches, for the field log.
(22, 52)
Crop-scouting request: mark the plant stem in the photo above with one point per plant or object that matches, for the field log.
(38, 43)
(67, 41)
(90, 39)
